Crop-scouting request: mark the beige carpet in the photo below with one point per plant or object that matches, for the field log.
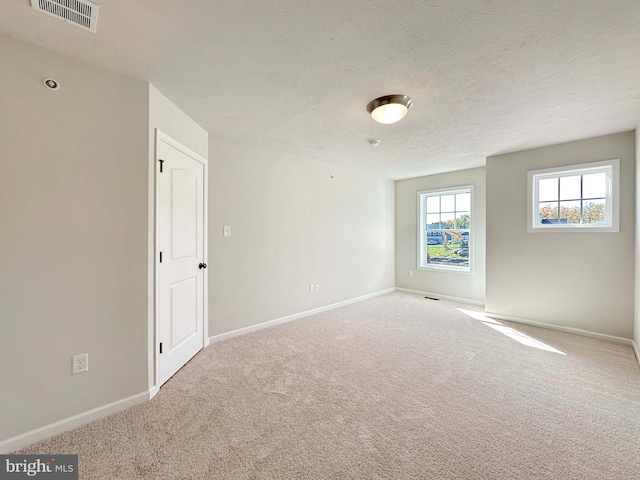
(392, 387)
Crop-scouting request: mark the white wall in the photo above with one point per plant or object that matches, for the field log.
(574, 280)
(169, 119)
(451, 284)
(292, 225)
(73, 231)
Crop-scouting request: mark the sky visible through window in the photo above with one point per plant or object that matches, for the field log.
(446, 218)
(573, 199)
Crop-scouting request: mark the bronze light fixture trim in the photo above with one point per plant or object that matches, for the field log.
(389, 108)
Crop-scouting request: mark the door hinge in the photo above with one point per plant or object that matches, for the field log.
(160, 347)
(160, 257)
(161, 162)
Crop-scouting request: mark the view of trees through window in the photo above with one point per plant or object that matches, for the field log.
(446, 219)
(574, 199)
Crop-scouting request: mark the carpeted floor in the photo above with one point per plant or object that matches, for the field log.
(392, 387)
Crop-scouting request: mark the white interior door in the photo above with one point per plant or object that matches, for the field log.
(180, 262)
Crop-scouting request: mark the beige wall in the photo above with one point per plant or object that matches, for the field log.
(450, 284)
(575, 280)
(75, 225)
(166, 116)
(636, 328)
(73, 231)
(292, 225)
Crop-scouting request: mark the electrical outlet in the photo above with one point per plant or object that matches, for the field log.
(80, 363)
(316, 288)
(410, 273)
(311, 289)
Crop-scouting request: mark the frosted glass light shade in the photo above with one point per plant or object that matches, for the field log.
(390, 108)
(389, 113)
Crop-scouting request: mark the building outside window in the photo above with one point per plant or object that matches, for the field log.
(575, 198)
(445, 220)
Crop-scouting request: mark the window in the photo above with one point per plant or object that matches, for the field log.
(444, 238)
(576, 198)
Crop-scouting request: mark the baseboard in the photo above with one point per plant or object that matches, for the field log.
(271, 323)
(153, 391)
(33, 436)
(442, 297)
(635, 350)
(559, 328)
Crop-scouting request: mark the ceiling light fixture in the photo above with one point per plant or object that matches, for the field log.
(51, 84)
(389, 108)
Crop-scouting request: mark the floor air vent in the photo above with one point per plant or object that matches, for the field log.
(81, 13)
(431, 298)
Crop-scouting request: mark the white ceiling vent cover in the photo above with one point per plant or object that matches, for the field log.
(81, 13)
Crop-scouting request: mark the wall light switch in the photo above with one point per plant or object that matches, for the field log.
(226, 231)
(411, 273)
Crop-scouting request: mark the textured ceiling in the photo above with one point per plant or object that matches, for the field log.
(486, 77)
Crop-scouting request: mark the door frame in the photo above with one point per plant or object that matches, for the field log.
(154, 251)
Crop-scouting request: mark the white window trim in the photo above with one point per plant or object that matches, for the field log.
(420, 232)
(614, 187)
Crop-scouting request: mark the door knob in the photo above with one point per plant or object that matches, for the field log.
(202, 265)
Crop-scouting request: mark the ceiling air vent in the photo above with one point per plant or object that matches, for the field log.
(80, 13)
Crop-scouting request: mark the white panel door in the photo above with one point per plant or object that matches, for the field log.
(180, 263)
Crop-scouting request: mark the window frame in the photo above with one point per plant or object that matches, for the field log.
(421, 231)
(612, 197)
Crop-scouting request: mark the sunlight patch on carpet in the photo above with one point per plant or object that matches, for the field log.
(510, 332)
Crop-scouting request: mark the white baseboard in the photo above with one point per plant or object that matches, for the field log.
(441, 297)
(559, 328)
(33, 436)
(153, 391)
(635, 350)
(241, 331)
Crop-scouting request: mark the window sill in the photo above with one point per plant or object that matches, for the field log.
(577, 229)
(443, 269)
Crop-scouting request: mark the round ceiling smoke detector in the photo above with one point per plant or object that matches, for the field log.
(51, 84)
(373, 143)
